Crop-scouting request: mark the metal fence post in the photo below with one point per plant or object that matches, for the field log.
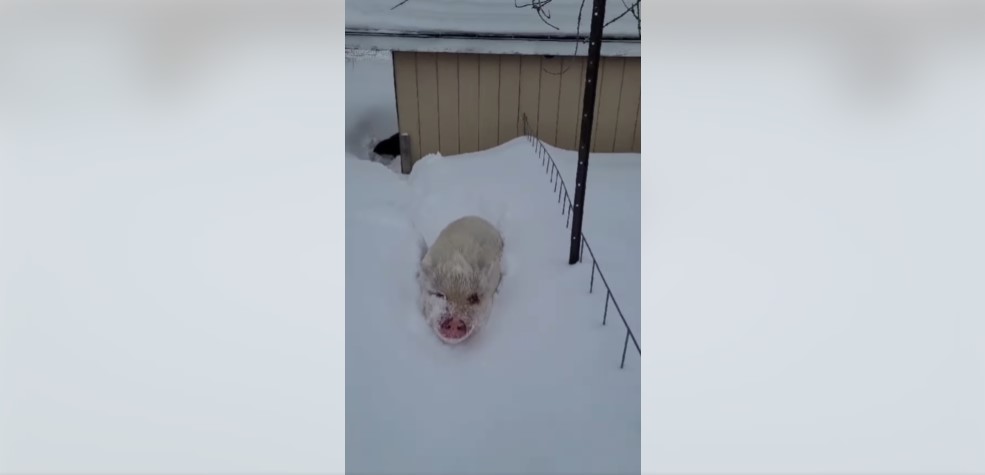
(588, 112)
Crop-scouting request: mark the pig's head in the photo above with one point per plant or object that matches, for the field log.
(455, 298)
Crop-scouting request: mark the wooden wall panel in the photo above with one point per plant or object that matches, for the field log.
(448, 103)
(608, 101)
(598, 102)
(530, 69)
(427, 102)
(405, 88)
(488, 101)
(458, 103)
(509, 97)
(570, 101)
(468, 103)
(629, 106)
(549, 95)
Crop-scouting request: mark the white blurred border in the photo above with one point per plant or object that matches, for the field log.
(324, 19)
(707, 25)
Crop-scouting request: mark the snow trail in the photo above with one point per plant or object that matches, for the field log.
(538, 389)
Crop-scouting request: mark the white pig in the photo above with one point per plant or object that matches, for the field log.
(458, 277)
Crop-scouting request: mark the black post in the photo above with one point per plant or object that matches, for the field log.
(588, 114)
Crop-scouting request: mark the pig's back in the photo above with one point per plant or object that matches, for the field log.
(473, 237)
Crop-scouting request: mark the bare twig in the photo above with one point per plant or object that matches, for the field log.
(578, 26)
(629, 9)
(636, 14)
(545, 16)
(538, 6)
(577, 41)
(563, 70)
(633, 11)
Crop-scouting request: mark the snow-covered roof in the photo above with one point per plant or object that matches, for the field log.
(485, 26)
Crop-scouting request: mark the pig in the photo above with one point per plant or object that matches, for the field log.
(459, 275)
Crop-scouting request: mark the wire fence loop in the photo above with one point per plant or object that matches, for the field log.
(551, 168)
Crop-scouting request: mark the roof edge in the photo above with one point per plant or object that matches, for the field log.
(491, 36)
(487, 43)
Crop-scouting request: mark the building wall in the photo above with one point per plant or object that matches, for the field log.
(457, 103)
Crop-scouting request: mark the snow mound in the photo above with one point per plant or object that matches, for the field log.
(538, 389)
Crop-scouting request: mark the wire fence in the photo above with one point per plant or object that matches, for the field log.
(564, 199)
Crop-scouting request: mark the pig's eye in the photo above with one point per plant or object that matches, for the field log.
(438, 294)
(473, 299)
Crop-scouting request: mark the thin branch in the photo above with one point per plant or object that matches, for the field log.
(630, 8)
(545, 16)
(538, 6)
(636, 14)
(633, 10)
(578, 27)
(577, 40)
(563, 70)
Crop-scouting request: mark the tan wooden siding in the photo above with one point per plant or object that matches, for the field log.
(598, 101)
(427, 105)
(629, 101)
(405, 87)
(459, 103)
(448, 98)
(488, 101)
(550, 89)
(509, 98)
(611, 90)
(468, 103)
(570, 102)
(529, 90)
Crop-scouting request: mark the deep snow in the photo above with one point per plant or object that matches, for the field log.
(370, 102)
(537, 390)
(611, 222)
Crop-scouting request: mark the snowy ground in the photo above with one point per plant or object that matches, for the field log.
(370, 108)
(538, 390)
(611, 221)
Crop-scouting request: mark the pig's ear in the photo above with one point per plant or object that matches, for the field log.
(425, 269)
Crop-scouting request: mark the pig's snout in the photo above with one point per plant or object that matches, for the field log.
(453, 328)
